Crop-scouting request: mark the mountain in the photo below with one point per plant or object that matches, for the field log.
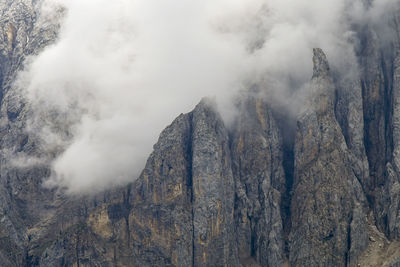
(320, 190)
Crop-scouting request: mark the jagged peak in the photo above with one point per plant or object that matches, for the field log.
(321, 65)
(207, 103)
(321, 92)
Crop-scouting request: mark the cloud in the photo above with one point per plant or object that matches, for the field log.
(122, 70)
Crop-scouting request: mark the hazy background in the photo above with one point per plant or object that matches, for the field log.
(122, 70)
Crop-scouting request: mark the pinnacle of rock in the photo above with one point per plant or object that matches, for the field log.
(321, 65)
(250, 194)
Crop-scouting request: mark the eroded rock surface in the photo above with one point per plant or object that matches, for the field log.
(327, 196)
(247, 195)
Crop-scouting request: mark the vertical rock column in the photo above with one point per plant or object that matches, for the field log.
(328, 225)
(388, 195)
(213, 191)
(375, 106)
(160, 220)
(260, 183)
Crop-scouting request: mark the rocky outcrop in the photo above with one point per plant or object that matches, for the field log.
(260, 184)
(200, 202)
(249, 195)
(328, 225)
(23, 201)
(380, 79)
(178, 213)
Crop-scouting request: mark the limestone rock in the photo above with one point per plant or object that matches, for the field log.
(326, 192)
(209, 195)
(260, 184)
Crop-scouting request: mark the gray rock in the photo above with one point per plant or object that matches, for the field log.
(327, 195)
(260, 184)
(395, 263)
(212, 196)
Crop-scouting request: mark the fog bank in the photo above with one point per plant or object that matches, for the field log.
(122, 70)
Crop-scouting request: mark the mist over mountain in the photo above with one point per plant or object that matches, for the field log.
(199, 133)
(120, 71)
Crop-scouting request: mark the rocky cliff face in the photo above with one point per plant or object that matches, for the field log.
(327, 204)
(325, 194)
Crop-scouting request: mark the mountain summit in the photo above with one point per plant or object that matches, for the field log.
(319, 189)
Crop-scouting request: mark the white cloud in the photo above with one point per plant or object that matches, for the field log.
(123, 69)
